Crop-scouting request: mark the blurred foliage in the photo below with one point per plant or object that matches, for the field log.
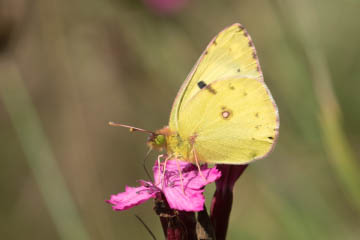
(69, 67)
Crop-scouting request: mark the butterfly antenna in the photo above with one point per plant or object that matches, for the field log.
(144, 165)
(146, 227)
(132, 129)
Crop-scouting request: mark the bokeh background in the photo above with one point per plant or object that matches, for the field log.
(69, 67)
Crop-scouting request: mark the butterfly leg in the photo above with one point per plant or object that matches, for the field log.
(181, 178)
(159, 163)
(198, 165)
(159, 160)
(164, 170)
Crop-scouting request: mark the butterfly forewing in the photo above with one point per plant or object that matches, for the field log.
(229, 54)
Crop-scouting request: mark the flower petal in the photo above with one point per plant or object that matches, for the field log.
(131, 197)
(195, 179)
(192, 201)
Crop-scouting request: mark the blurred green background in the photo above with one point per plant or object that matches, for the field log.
(69, 67)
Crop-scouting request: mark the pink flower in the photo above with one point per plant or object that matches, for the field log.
(183, 191)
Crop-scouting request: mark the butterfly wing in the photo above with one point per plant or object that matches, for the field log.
(234, 123)
(230, 54)
(224, 107)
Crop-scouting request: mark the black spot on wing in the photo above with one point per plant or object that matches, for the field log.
(271, 138)
(201, 84)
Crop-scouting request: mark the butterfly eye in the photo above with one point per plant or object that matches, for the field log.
(159, 140)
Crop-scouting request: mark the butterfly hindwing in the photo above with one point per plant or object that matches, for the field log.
(234, 123)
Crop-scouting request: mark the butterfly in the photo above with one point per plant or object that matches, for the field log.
(223, 113)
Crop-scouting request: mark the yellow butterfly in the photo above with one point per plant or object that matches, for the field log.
(223, 113)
